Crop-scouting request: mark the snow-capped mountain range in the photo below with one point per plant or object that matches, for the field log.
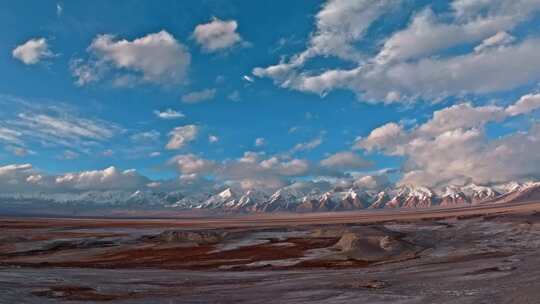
(289, 199)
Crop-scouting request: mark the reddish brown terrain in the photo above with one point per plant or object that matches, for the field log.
(480, 254)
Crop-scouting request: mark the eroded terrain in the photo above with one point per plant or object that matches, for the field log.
(490, 256)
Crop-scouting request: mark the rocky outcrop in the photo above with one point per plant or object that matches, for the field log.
(373, 244)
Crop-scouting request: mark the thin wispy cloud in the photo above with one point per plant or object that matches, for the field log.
(169, 114)
(199, 96)
(30, 124)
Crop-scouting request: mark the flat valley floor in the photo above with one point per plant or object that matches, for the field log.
(481, 254)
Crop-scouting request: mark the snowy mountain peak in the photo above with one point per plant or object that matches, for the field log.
(453, 196)
(421, 192)
(530, 185)
(326, 196)
(451, 191)
(226, 194)
(288, 198)
(137, 194)
(480, 193)
(510, 186)
(351, 194)
(276, 195)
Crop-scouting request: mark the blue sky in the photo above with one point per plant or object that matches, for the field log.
(311, 80)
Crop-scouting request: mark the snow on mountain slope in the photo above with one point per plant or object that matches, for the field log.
(527, 192)
(353, 200)
(222, 199)
(478, 194)
(293, 198)
(453, 196)
(379, 201)
(411, 197)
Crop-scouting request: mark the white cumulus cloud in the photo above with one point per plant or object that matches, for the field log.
(191, 163)
(33, 51)
(418, 61)
(109, 178)
(453, 147)
(156, 58)
(525, 104)
(217, 35)
(180, 136)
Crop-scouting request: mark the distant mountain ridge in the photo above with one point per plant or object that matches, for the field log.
(289, 198)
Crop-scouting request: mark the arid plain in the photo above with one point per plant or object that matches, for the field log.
(480, 254)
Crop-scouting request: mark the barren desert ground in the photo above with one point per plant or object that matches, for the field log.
(481, 254)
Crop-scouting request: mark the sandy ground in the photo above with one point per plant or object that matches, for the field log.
(484, 254)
